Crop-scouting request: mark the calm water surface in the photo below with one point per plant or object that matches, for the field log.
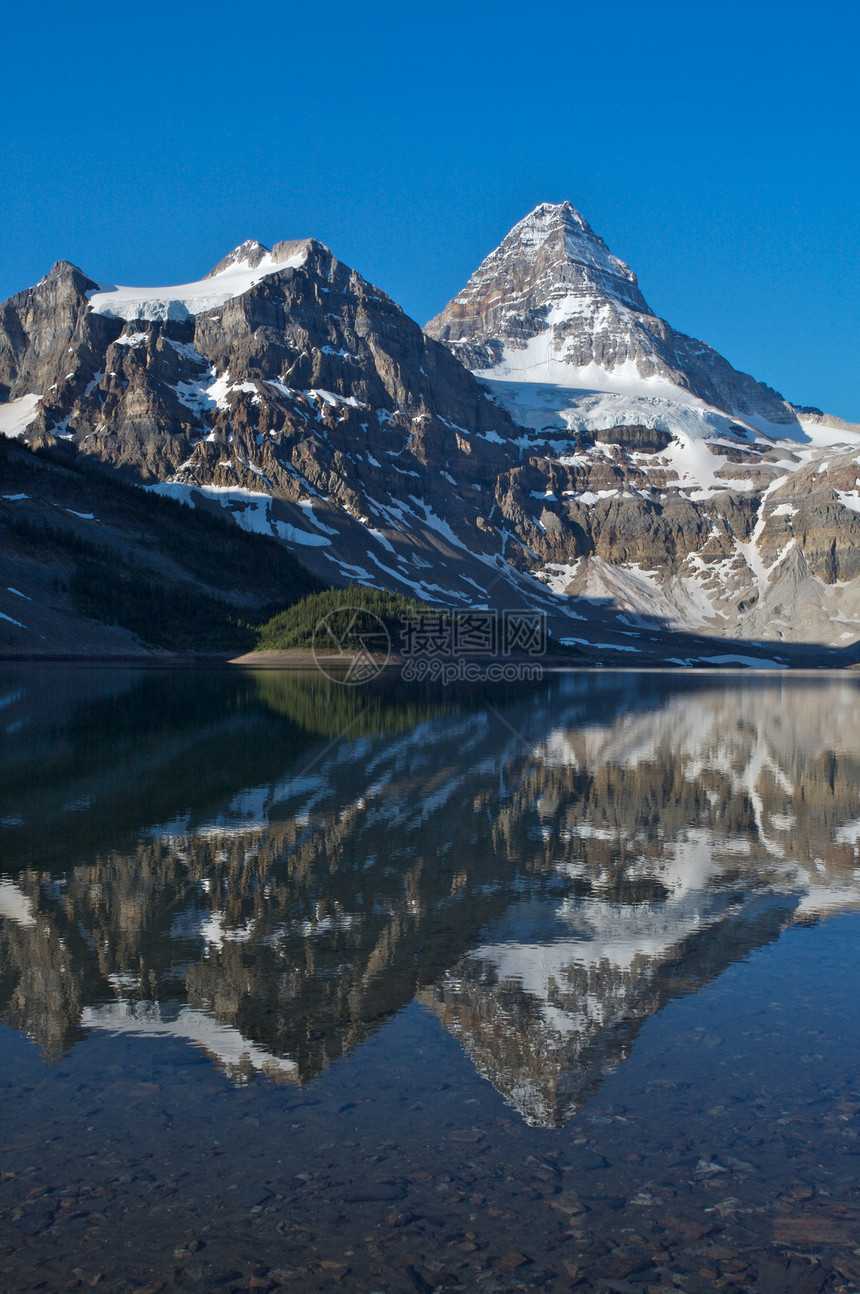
(378, 989)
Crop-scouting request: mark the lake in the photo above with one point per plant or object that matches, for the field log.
(551, 985)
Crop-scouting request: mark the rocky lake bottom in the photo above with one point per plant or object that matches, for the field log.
(382, 989)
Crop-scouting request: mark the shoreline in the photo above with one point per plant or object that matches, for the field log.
(300, 658)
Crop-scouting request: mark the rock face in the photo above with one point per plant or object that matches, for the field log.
(41, 328)
(596, 466)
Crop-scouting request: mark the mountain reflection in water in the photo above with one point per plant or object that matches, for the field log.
(270, 866)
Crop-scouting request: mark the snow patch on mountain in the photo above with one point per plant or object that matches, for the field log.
(16, 415)
(592, 399)
(250, 509)
(186, 300)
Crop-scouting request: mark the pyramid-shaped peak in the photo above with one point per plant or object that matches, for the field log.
(558, 212)
(551, 266)
(550, 218)
(558, 232)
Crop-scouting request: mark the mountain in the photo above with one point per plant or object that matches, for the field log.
(583, 460)
(552, 304)
(282, 387)
(673, 486)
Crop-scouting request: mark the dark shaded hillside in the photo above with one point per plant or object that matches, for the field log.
(90, 564)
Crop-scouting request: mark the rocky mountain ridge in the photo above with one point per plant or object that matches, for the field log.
(596, 465)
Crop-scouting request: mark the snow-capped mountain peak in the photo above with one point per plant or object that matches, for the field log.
(562, 245)
(552, 304)
(239, 271)
(248, 253)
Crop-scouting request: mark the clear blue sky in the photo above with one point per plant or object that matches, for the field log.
(714, 146)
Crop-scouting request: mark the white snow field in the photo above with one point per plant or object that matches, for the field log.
(184, 300)
(16, 415)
